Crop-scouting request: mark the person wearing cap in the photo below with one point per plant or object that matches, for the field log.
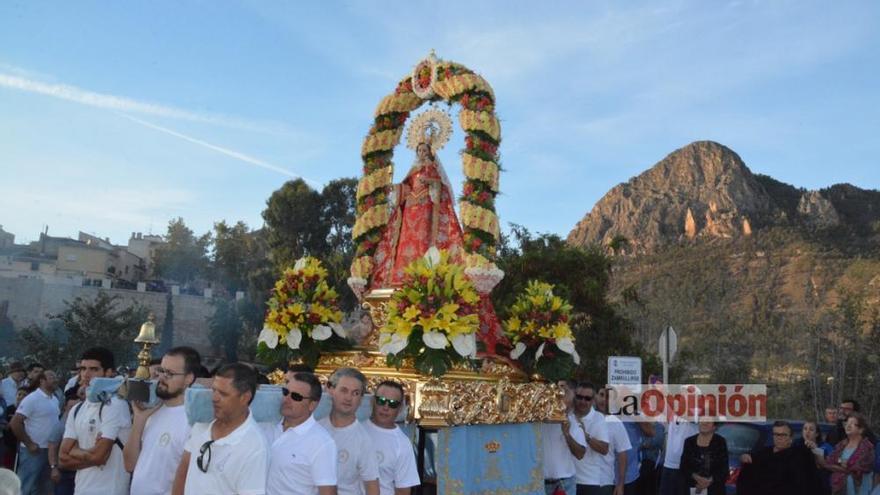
(12, 382)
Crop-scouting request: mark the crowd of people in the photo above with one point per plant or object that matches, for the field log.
(58, 441)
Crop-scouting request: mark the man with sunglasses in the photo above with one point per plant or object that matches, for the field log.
(303, 455)
(357, 471)
(394, 451)
(588, 470)
(158, 434)
(228, 455)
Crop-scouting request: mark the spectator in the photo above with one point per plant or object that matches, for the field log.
(63, 478)
(847, 407)
(812, 439)
(73, 381)
(563, 445)
(781, 469)
(229, 454)
(614, 467)
(158, 435)
(13, 381)
(649, 471)
(10, 442)
(704, 461)
(303, 459)
(96, 432)
(357, 472)
(35, 418)
(852, 462)
(33, 372)
(397, 461)
(588, 470)
(671, 480)
(831, 415)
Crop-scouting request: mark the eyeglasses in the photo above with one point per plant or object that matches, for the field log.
(200, 460)
(586, 398)
(780, 434)
(168, 373)
(294, 396)
(385, 401)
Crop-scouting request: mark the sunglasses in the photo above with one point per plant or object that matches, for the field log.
(294, 396)
(385, 401)
(204, 453)
(583, 397)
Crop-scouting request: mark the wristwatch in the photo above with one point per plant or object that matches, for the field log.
(53, 466)
(587, 437)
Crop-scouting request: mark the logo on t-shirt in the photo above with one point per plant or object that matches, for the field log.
(343, 456)
(164, 439)
(380, 456)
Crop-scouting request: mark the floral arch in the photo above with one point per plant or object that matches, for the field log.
(433, 80)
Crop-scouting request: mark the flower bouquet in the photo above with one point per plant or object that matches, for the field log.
(433, 317)
(538, 328)
(303, 319)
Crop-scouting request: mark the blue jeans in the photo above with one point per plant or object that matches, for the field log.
(33, 470)
(567, 484)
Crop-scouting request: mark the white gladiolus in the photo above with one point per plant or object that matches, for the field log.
(465, 345)
(435, 340)
(322, 332)
(576, 357)
(268, 336)
(518, 350)
(294, 338)
(539, 352)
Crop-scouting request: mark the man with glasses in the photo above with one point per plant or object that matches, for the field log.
(357, 472)
(303, 455)
(588, 470)
(96, 433)
(847, 407)
(158, 434)
(229, 454)
(394, 451)
(782, 469)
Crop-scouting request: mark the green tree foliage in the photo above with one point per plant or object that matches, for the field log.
(184, 256)
(229, 329)
(294, 223)
(167, 338)
(582, 277)
(105, 320)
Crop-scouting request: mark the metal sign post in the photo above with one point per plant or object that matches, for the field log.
(668, 347)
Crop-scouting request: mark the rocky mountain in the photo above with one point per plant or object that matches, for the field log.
(749, 270)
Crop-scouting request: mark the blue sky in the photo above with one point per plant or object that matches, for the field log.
(117, 116)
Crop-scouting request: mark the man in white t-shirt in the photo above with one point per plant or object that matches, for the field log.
(588, 471)
(357, 472)
(158, 434)
(671, 480)
(618, 447)
(563, 445)
(303, 454)
(229, 454)
(395, 456)
(95, 434)
(34, 420)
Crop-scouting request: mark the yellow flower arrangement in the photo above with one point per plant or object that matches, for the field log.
(433, 317)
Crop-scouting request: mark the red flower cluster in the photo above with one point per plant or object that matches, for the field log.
(405, 86)
(474, 143)
(477, 102)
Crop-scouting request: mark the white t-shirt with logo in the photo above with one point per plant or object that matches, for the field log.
(41, 412)
(357, 458)
(303, 458)
(85, 425)
(618, 441)
(238, 461)
(395, 458)
(558, 459)
(588, 471)
(164, 437)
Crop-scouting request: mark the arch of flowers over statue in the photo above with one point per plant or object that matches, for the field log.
(432, 80)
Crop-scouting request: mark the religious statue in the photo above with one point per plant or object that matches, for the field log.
(423, 215)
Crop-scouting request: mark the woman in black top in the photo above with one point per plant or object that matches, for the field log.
(704, 460)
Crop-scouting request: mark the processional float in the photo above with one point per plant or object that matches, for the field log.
(425, 279)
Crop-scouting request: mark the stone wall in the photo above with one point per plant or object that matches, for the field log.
(30, 300)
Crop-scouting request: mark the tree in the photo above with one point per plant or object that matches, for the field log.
(227, 327)
(104, 321)
(295, 225)
(183, 257)
(338, 213)
(167, 338)
(237, 255)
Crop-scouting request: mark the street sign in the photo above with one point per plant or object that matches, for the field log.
(624, 370)
(668, 344)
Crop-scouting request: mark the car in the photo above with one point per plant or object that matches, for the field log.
(743, 438)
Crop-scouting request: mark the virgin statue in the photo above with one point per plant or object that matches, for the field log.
(422, 217)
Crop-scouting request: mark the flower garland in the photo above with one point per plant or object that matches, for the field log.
(303, 318)
(435, 309)
(538, 327)
(453, 83)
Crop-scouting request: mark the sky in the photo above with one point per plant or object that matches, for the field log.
(116, 117)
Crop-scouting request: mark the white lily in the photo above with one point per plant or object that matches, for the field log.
(294, 337)
(391, 344)
(300, 264)
(338, 329)
(539, 352)
(465, 345)
(518, 350)
(432, 255)
(435, 340)
(566, 345)
(322, 332)
(268, 336)
(577, 358)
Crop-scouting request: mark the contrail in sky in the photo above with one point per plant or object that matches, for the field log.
(122, 104)
(226, 151)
